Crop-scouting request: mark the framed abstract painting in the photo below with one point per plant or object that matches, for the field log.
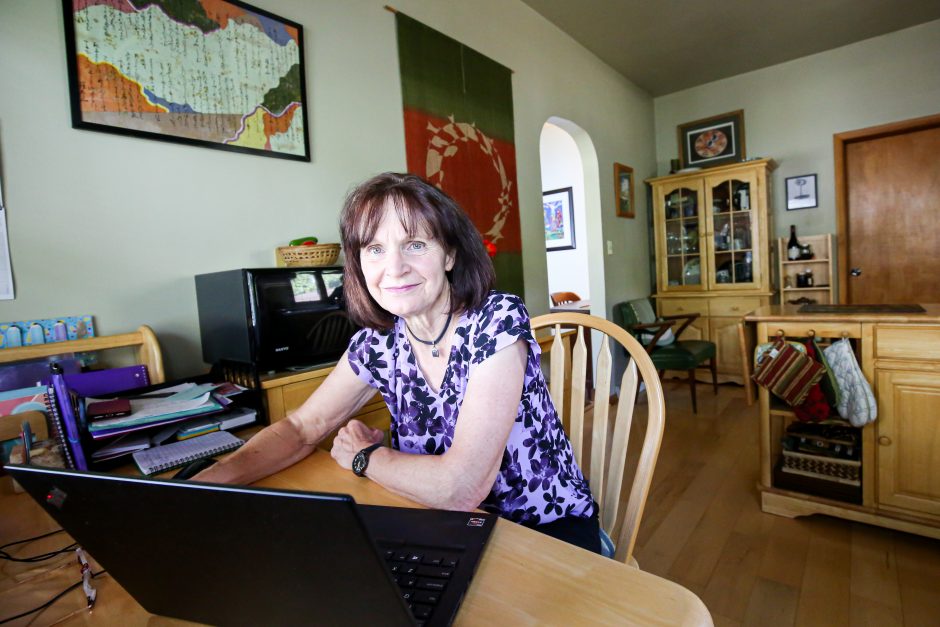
(220, 74)
(712, 141)
(558, 208)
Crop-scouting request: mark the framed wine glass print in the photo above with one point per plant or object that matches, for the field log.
(712, 141)
(623, 190)
(559, 219)
(801, 192)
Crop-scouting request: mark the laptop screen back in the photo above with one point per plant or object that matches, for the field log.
(224, 555)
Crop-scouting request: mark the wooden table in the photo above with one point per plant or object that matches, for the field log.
(524, 578)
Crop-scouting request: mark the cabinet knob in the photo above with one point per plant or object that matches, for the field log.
(884, 440)
(735, 308)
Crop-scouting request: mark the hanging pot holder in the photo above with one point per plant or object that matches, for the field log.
(788, 372)
(857, 404)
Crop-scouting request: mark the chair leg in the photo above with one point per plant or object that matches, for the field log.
(714, 368)
(692, 387)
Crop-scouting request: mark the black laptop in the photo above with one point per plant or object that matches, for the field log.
(226, 555)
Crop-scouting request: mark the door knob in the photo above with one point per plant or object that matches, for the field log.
(884, 440)
(855, 272)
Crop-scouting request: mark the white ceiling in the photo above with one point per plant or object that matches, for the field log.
(668, 45)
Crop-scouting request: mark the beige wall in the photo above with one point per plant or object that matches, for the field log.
(792, 110)
(117, 227)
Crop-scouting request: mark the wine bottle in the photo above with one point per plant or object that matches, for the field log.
(793, 246)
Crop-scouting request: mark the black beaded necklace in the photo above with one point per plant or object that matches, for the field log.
(433, 344)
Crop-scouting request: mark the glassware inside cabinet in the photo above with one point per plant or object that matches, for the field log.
(683, 263)
(731, 221)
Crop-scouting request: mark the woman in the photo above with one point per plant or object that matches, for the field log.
(472, 421)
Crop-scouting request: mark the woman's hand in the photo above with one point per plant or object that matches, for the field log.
(351, 439)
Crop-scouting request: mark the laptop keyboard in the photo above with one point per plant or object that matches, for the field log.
(422, 575)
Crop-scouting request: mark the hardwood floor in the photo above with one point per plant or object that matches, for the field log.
(704, 529)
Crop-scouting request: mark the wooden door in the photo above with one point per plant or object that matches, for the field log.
(888, 200)
(908, 450)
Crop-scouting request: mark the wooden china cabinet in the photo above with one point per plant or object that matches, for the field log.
(713, 251)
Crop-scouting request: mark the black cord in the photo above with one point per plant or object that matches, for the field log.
(50, 601)
(35, 558)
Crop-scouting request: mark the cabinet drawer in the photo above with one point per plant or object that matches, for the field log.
(737, 307)
(677, 306)
(906, 342)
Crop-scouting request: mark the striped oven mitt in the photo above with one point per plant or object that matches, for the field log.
(787, 372)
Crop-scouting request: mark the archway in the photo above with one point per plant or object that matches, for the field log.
(569, 160)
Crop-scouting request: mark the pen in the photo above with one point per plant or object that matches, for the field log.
(27, 441)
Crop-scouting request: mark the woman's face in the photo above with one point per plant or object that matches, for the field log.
(406, 275)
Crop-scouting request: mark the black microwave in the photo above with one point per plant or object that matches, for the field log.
(273, 318)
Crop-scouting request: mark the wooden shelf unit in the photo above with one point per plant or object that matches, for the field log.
(823, 290)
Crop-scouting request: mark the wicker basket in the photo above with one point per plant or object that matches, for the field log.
(828, 468)
(316, 255)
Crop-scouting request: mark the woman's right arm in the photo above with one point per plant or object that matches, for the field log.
(288, 441)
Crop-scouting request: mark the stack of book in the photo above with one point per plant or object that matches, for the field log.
(86, 417)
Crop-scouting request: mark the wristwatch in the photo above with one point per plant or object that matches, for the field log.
(361, 461)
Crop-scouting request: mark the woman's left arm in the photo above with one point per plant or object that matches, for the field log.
(462, 477)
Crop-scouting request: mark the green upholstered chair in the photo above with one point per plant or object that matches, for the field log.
(660, 339)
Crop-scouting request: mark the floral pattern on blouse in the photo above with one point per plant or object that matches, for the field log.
(538, 480)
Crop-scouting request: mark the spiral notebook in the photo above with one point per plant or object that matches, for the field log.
(169, 456)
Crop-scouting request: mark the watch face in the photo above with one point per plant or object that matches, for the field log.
(359, 463)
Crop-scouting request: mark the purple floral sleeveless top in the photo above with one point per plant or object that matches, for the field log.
(538, 480)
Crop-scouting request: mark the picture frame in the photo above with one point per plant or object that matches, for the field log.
(623, 191)
(801, 192)
(237, 84)
(558, 210)
(712, 141)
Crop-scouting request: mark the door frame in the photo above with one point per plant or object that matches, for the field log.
(840, 142)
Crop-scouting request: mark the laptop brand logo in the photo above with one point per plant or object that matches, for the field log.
(475, 522)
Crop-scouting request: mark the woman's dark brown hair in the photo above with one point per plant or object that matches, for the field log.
(418, 205)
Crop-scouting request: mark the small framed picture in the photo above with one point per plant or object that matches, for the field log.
(712, 141)
(801, 192)
(623, 190)
(559, 219)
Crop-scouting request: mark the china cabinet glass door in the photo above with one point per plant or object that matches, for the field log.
(681, 207)
(734, 233)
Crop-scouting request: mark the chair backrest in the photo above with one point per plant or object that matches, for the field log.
(608, 454)
(638, 311)
(560, 298)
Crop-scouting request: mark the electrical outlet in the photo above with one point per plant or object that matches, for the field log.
(610, 247)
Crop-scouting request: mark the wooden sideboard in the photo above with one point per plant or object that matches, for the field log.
(900, 461)
(284, 392)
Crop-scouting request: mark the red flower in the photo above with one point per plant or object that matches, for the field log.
(490, 247)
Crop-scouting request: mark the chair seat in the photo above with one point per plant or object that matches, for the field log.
(683, 354)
